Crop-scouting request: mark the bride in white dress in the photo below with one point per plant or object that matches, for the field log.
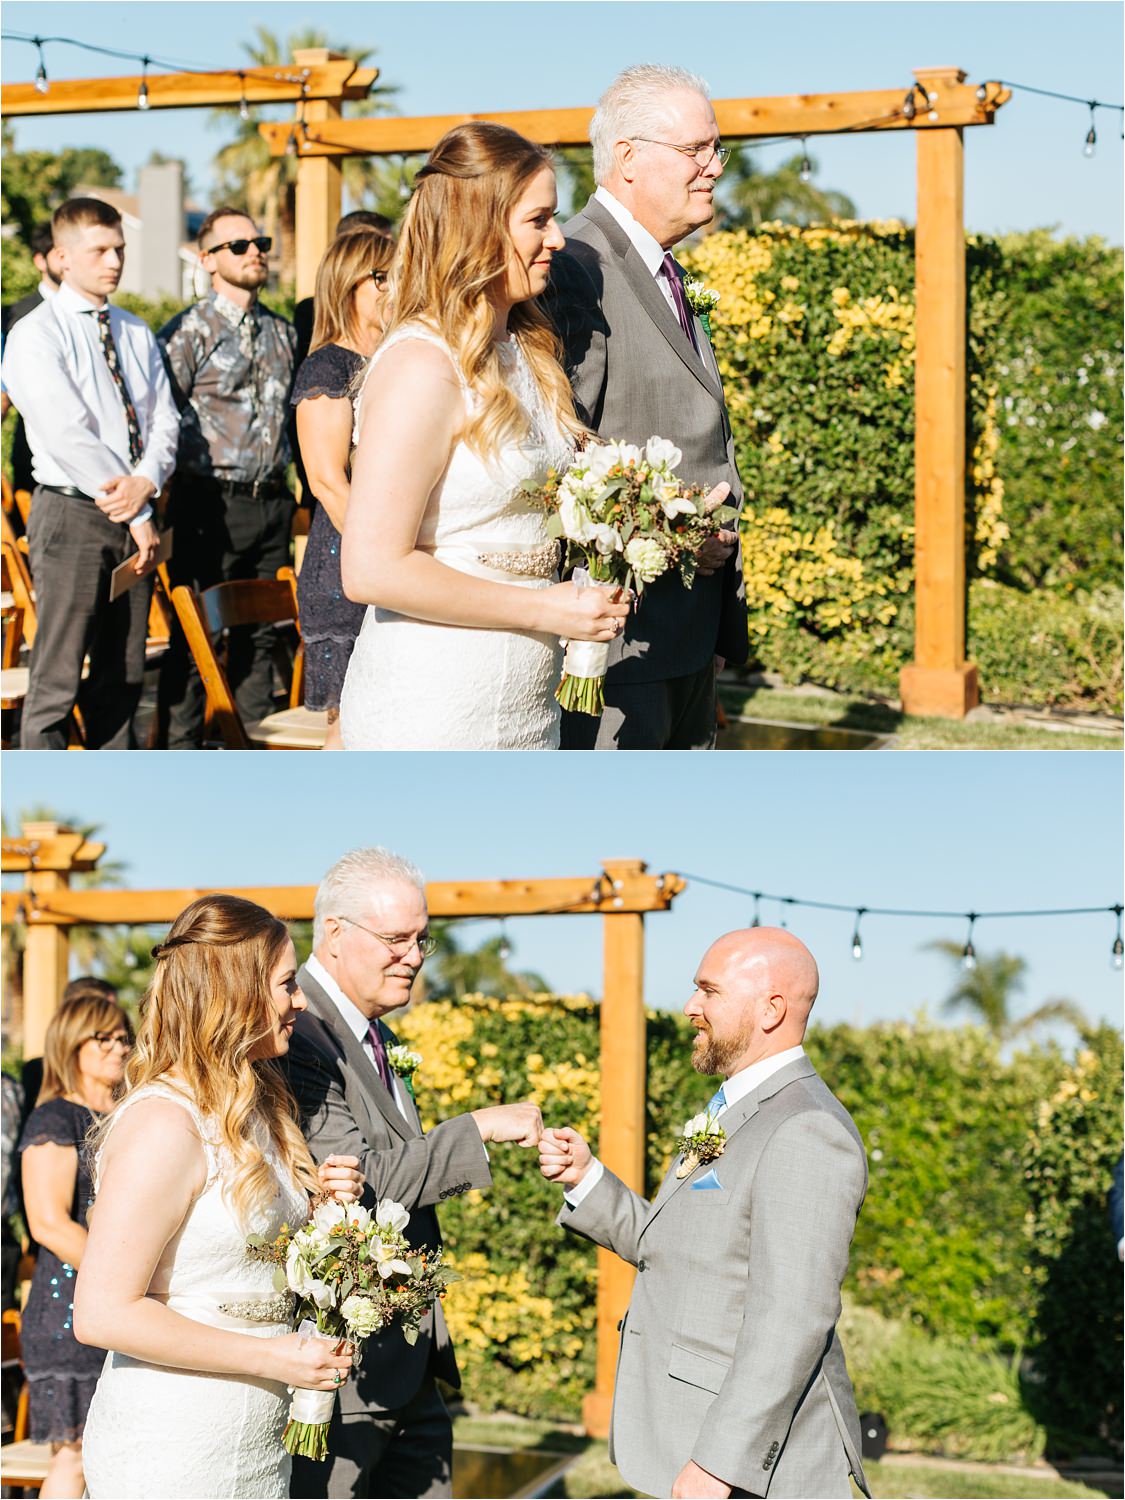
(203, 1150)
(464, 400)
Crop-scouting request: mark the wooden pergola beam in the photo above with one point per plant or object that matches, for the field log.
(738, 119)
(285, 84)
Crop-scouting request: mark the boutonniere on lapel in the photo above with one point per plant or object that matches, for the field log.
(703, 1140)
(405, 1063)
(702, 301)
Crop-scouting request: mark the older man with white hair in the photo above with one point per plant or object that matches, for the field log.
(731, 1379)
(641, 365)
(391, 1434)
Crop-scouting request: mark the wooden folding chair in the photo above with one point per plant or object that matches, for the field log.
(24, 1463)
(204, 618)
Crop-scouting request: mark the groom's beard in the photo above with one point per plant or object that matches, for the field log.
(710, 1056)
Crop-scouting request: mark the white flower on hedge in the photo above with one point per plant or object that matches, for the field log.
(662, 454)
(577, 522)
(391, 1215)
(608, 540)
(646, 557)
(328, 1216)
(361, 1315)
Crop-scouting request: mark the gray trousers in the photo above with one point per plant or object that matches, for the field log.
(392, 1454)
(675, 714)
(73, 548)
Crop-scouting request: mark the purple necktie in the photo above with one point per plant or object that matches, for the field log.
(669, 271)
(380, 1055)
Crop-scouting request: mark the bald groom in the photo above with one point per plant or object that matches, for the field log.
(731, 1379)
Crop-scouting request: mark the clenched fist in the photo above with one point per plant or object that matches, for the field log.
(564, 1156)
(521, 1123)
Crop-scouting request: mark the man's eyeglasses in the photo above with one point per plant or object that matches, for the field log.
(240, 247)
(106, 1040)
(398, 947)
(702, 154)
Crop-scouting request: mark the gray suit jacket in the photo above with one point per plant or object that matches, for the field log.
(635, 375)
(729, 1354)
(347, 1111)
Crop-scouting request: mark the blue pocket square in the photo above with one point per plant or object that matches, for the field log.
(708, 1180)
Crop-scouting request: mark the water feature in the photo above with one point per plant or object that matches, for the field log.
(757, 734)
(497, 1473)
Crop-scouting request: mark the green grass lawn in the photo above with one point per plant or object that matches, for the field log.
(840, 711)
(592, 1475)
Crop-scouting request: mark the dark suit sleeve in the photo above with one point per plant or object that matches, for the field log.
(417, 1173)
(574, 306)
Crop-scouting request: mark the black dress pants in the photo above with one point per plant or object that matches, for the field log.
(407, 1452)
(73, 548)
(218, 537)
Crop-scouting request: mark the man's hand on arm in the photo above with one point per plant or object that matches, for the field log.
(564, 1156)
(124, 495)
(717, 549)
(521, 1123)
(694, 1483)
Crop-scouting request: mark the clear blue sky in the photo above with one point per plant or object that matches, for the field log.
(1025, 172)
(948, 831)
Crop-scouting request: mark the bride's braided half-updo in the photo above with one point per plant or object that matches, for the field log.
(205, 1013)
(453, 250)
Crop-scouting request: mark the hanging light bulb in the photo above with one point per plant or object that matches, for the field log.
(41, 71)
(1118, 959)
(857, 940)
(968, 952)
(504, 948)
(243, 106)
(1091, 136)
(404, 189)
(806, 165)
(757, 922)
(982, 93)
(908, 106)
(142, 92)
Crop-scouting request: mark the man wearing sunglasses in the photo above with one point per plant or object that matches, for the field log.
(231, 362)
(391, 1433)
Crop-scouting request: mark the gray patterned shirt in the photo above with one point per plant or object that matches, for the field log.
(231, 370)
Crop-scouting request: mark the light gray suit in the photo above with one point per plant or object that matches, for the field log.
(346, 1110)
(729, 1354)
(636, 375)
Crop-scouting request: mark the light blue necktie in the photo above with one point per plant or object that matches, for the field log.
(718, 1102)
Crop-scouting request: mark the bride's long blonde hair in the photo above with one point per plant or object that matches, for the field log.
(453, 249)
(206, 1011)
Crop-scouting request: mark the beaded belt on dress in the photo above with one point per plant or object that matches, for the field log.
(532, 562)
(276, 1307)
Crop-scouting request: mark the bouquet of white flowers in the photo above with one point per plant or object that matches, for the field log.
(626, 519)
(352, 1273)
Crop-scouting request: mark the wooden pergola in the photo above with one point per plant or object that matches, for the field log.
(47, 855)
(938, 108)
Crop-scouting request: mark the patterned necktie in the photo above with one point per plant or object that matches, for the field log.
(109, 349)
(380, 1052)
(672, 276)
(718, 1103)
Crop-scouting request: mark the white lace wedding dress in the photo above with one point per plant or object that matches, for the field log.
(414, 685)
(154, 1432)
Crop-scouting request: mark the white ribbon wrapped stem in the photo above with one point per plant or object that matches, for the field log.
(586, 658)
(312, 1407)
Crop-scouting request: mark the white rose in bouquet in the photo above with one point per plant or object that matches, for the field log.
(646, 557)
(391, 1215)
(661, 454)
(607, 540)
(577, 523)
(326, 1216)
(362, 1316)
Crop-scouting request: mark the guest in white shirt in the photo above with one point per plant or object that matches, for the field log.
(45, 258)
(103, 427)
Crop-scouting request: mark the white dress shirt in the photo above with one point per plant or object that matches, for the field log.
(356, 1022)
(647, 247)
(56, 374)
(735, 1088)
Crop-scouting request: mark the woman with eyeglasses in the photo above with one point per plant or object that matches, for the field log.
(87, 1043)
(203, 1150)
(350, 286)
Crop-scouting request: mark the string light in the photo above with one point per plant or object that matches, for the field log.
(1091, 135)
(243, 106)
(857, 940)
(142, 92)
(806, 165)
(504, 948)
(41, 71)
(757, 921)
(968, 952)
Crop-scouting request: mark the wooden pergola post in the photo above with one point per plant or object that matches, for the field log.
(622, 1142)
(319, 181)
(940, 681)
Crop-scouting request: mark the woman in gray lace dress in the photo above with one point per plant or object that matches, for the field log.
(348, 323)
